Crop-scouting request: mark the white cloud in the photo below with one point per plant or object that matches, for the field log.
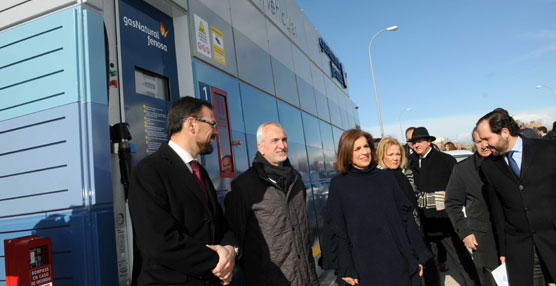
(458, 128)
(455, 128)
(543, 35)
(546, 116)
(538, 52)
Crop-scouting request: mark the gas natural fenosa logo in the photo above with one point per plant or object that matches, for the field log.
(153, 36)
(163, 30)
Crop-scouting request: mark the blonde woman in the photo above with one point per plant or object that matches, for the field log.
(391, 157)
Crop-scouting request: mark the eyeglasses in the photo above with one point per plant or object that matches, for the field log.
(212, 123)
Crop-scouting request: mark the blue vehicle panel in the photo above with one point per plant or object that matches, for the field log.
(55, 172)
(43, 63)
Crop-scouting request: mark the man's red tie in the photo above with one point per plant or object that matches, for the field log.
(196, 170)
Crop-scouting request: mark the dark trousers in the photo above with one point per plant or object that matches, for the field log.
(430, 272)
(442, 254)
(485, 274)
(456, 250)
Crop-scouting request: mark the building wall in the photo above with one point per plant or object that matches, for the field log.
(274, 71)
(273, 46)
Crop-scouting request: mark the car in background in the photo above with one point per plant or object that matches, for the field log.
(459, 155)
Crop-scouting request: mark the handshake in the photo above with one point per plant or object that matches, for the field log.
(431, 200)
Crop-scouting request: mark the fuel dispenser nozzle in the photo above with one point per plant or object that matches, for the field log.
(120, 135)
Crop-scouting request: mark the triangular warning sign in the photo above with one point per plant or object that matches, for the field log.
(202, 28)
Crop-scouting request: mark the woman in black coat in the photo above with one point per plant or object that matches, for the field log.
(391, 157)
(369, 236)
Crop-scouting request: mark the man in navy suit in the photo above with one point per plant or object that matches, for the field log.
(521, 175)
(180, 234)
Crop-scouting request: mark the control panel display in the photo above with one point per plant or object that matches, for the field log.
(151, 84)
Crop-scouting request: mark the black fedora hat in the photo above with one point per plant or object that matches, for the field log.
(421, 132)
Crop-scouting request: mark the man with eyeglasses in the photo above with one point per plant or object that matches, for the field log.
(180, 234)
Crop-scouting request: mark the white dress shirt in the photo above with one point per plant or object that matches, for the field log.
(184, 155)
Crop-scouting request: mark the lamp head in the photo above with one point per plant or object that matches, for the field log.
(538, 86)
(393, 28)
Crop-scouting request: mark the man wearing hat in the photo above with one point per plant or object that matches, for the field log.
(432, 169)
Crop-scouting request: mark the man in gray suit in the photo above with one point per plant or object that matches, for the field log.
(472, 224)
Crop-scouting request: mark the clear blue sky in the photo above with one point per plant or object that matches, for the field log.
(450, 61)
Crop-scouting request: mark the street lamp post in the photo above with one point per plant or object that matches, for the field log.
(392, 28)
(552, 90)
(400, 119)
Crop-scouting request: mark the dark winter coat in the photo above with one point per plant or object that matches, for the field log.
(369, 230)
(432, 176)
(529, 133)
(270, 224)
(405, 186)
(550, 135)
(524, 208)
(173, 222)
(466, 189)
(407, 189)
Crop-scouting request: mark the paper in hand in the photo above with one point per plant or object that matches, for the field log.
(500, 275)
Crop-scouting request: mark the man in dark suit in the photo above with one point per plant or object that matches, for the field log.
(552, 134)
(472, 224)
(180, 234)
(522, 178)
(542, 131)
(432, 170)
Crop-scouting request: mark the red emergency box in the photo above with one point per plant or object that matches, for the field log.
(28, 261)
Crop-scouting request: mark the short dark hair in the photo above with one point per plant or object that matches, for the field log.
(498, 119)
(543, 129)
(473, 133)
(345, 148)
(409, 128)
(182, 109)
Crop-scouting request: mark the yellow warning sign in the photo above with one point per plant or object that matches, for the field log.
(202, 36)
(218, 45)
